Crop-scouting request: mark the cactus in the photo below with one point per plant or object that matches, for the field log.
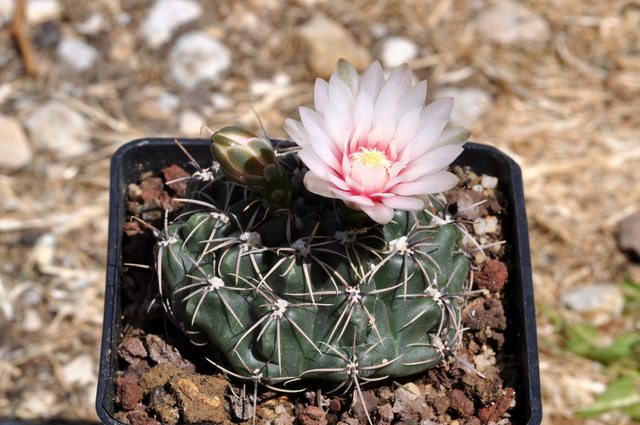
(286, 284)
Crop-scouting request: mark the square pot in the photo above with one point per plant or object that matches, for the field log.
(155, 154)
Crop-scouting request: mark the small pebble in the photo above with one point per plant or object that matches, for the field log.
(15, 151)
(56, 127)
(31, 322)
(511, 22)
(598, 303)
(197, 57)
(485, 225)
(398, 50)
(94, 24)
(469, 106)
(165, 17)
(326, 41)
(489, 182)
(76, 53)
(7, 8)
(190, 123)
(39, 11)
(80, 370)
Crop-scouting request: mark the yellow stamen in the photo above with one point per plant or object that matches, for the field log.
(372, 158)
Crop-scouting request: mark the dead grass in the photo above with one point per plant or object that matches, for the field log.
(566, 110)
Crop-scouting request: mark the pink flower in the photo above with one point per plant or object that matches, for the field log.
(373, 143)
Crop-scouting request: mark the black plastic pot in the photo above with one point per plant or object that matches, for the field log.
(156, 154)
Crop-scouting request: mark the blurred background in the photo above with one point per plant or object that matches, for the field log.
(553, 83)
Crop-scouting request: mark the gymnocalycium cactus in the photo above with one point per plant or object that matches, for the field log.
(326, 258)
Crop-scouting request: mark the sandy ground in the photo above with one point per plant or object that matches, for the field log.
(562, 101)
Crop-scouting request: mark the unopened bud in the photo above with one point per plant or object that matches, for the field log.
(250, 160)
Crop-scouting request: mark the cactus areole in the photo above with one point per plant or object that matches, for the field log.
(288, 284)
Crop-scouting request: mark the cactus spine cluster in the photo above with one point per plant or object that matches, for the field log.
(288, 285)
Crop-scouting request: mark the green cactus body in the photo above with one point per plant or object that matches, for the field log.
(296, 293)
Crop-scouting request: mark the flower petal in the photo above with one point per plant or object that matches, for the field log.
(432, 161)
(321, 96)
(433, 183)
(347, 73)
(318, 185)
(379, 212)
(406, 203)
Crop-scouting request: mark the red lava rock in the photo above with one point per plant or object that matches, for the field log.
(132, 350)
(161, 351)
(370, 402)
(141, 418)
(495, 411)
(439, 401)
(312, 415)
(492, 276)
(175, 172)
(128, 393)
(461, 404)
(483, 312)
(336, 405)
(385, 414)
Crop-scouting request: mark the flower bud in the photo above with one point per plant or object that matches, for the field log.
(249, 160)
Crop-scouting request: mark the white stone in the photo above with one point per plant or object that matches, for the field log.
(39, 11)
(485, 225)
(92, 25)
(190, 123)
(221, 101)
(76, 53)
(510, 22)
(80, 371)
(469, 105)
(397, 50)
(599, 303)
(197, 57)
(57, 127)
(326, 41)
(15, 151)
(165, 17)
(7, 8)
(31, 322)
(489, 182)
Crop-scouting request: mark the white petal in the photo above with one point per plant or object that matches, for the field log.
(340, 94)
(439, 109)
(390, 94)
(432, 161)
(297, 132)
(315, 164)
(407, 128)
(321, 96)
(405, 203)
(423, 141)
(324, 146)
(453, 136)
(372, 81)
(363, 111)
(347, 73)
(318, 185)
(379, 212)
(359, 199)
(434, 183)
(413, 98)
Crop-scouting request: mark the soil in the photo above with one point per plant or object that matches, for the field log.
(164, 379)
